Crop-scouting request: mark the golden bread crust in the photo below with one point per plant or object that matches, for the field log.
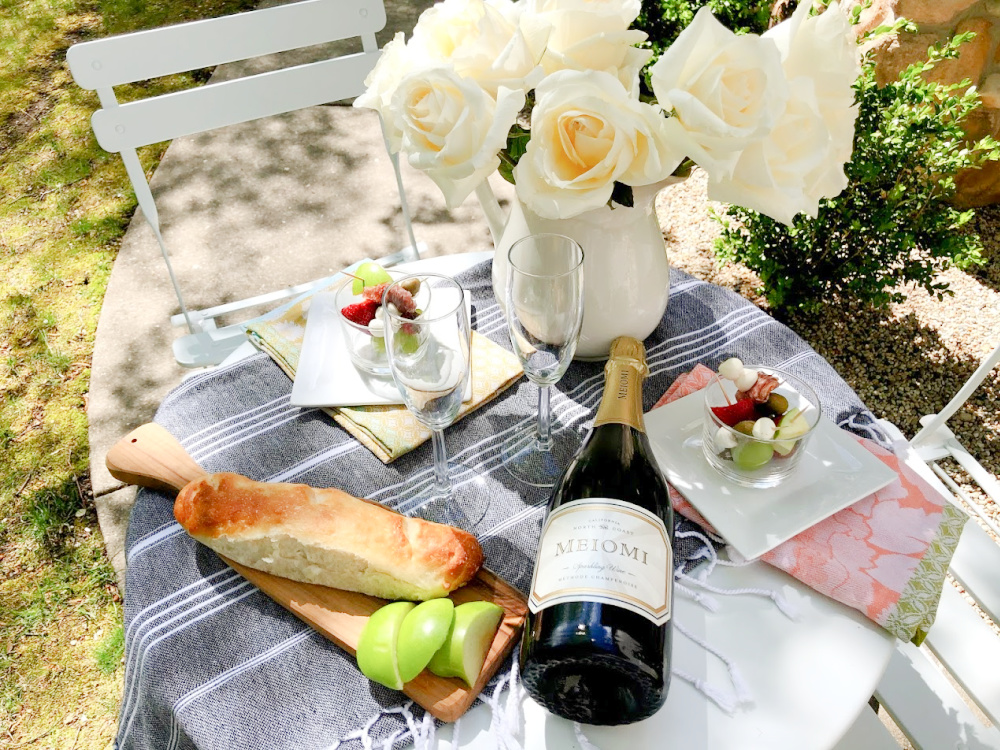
(327, 536)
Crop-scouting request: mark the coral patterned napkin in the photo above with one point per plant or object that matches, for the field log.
(886, 556)
(387, 431)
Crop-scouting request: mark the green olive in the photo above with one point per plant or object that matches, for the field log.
(411, 285)
(777, 404)
(746, 426)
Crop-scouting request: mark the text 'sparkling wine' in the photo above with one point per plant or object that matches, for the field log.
(596, 644)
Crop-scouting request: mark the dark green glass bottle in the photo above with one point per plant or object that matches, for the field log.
(597, 641)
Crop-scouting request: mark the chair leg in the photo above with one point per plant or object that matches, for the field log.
(394, 158)
(145, 199)
(934, 422)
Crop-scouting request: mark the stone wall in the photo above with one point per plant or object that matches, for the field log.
(979, 61)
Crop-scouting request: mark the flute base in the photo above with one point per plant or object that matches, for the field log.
(527, 461)
(463, 504)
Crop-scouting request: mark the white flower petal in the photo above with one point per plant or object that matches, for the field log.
(587, 132)
(801, 161)
(452, 129)
(725, 91)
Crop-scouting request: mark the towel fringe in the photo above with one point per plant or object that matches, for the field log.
(506, 722)
(740, 687)
(712, 605)
(707, 551)
(581, 738)
(507, 716)
(422, 734)
(724, 702)
(777, 597)
(513, 712)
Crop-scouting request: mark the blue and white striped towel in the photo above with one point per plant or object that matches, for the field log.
(213, 663)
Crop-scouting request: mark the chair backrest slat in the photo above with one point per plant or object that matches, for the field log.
(217, 105)
(976, 565)
(150, 54)
(338, 73)
(968, 648)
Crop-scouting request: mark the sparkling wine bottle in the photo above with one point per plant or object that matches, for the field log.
(596, 645)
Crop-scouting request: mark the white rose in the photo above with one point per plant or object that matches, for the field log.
(452, 129)
(726, 91)
(396, 61)
(831, 75)
(626, 11)
(592, 35)
(486, 41)
(582, 41)
(586, 133)
(802, 160)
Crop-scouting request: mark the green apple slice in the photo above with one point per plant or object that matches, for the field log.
(377, 644)
(469, 640)
(793, 426)
(422, 633)
(369, 274)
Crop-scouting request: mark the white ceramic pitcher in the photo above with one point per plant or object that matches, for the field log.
(626, 275)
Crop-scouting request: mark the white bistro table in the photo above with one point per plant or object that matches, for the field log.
(809, 676)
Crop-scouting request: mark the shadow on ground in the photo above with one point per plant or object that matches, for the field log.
(925, 373)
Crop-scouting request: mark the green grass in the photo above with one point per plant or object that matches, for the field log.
(64, 206)
(109, 653)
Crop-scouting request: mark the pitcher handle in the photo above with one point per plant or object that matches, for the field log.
(491, 209)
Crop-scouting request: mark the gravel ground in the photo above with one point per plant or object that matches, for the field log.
(904, 362)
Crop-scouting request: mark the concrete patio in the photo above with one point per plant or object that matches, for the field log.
(246, 210)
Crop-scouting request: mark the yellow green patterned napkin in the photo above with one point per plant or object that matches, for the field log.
(388, 431)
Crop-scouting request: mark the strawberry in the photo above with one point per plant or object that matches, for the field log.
(735, 413)
(361, 313)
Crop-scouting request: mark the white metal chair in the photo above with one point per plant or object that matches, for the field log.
(962, 648)
(935, 441)
(103, 64)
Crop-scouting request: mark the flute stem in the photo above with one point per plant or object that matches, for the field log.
(441, 483)
(544, 442)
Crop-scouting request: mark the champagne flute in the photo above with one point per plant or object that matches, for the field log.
(544, 306)
(428, 343)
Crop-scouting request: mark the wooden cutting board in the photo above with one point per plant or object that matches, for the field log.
(149, 456)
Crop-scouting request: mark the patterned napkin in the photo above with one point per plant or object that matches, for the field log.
(387, 431)
(886, 556)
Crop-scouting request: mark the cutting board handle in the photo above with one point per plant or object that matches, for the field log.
(149, 456)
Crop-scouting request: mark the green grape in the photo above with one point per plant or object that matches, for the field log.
(369, 274)
(752, 455)
(407, 343)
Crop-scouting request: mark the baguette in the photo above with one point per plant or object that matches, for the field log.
(326, 536)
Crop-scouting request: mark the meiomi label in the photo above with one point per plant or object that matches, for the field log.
(607, 551)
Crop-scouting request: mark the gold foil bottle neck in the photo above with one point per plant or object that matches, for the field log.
(629, 351)
(623, 376)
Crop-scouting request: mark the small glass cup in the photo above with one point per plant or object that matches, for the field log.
(757, 461)
(365, 343)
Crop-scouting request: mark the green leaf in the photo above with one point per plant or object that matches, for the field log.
(622, 195)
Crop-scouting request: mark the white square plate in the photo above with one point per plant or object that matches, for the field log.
(326, 376)
(835, 472)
